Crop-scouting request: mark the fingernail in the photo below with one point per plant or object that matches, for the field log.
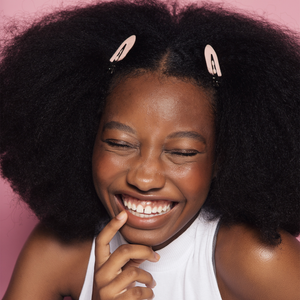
(121, 216)
(157, 256)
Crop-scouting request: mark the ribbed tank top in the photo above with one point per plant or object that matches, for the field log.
(185, 270)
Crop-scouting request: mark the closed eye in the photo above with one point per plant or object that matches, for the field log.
(118, 144)
(183, 153)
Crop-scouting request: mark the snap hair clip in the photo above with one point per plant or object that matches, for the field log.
(121, 52)
(212, 63)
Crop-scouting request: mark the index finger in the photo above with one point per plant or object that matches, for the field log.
(102, 249)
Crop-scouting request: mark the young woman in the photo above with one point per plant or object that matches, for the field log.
(178, 124)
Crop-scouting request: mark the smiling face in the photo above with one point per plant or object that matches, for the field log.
(154, 155)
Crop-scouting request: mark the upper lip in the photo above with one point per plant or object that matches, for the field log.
(149, 197)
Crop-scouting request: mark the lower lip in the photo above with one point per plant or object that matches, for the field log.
(145, 223)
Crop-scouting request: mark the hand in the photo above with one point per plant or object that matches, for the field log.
(115, 274)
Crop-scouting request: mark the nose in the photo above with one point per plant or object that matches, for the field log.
(146, 173)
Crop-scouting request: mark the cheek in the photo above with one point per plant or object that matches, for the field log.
(107, 168)
(102, 170)
(104, 173)
(194, 181)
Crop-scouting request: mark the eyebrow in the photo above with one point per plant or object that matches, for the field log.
(118, 126)
(180, 134)
(188, 134)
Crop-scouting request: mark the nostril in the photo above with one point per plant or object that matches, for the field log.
(146, 174)
(145, 190)
(144, 182)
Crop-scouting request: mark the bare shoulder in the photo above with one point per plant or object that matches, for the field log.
(247, 268)
(49, 268)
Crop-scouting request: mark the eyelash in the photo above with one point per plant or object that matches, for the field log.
(123, 145)
(188, 154)
(119, 144)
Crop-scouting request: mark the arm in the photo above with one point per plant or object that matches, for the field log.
(48, 268)
(248, 269)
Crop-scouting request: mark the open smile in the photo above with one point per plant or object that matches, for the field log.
(146, 210)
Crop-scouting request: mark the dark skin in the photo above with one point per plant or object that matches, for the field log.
(247, 268)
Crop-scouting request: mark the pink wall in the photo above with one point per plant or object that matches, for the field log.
(16, 221)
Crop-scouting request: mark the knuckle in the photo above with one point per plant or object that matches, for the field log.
(125, 249)
(137, 292)
(133, 272)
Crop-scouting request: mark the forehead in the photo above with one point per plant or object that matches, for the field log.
(155, 96)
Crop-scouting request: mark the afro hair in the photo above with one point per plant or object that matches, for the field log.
(54, 79)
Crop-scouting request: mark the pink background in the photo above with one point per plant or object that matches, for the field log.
(16, 221)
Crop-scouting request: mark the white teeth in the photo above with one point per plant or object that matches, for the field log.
(147, 210)
(144, 215)
(140, 208)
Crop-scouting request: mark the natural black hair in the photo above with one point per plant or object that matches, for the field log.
(54, 78)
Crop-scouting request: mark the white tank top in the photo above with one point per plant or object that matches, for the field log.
(185, 270)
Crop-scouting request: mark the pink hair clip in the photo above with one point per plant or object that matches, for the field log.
(212, 63)
(121, 52)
